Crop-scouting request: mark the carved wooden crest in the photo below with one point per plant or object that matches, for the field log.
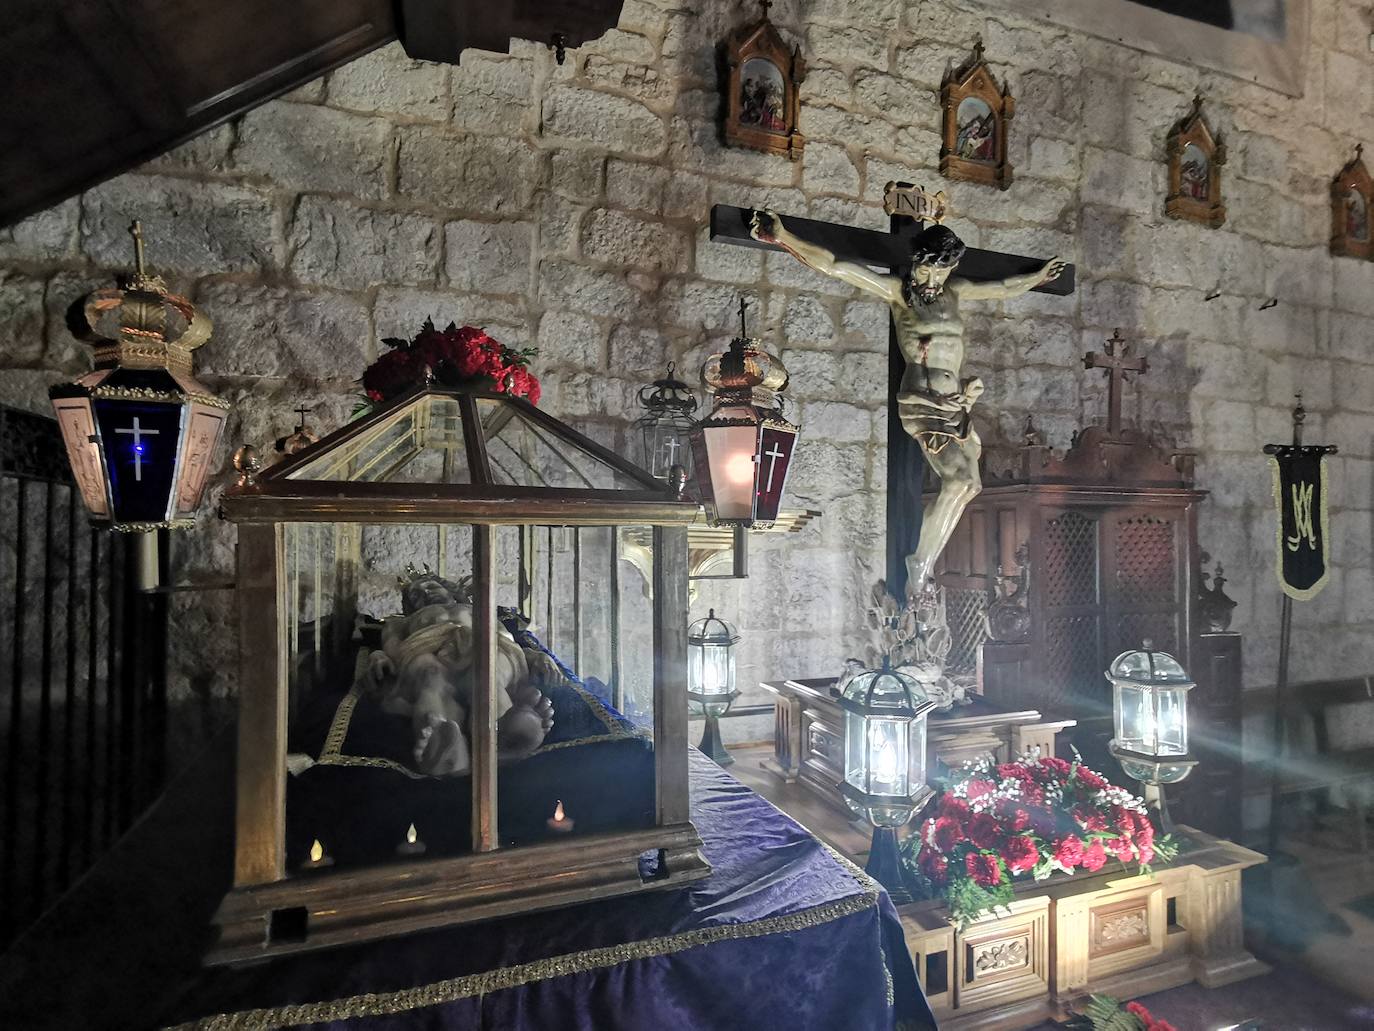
(761, 103)
(1195, 160)
(977, 114)
(1352, 195)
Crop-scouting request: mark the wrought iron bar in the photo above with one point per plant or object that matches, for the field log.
(9, 913)
(41, 757)
(64, 853)
(92, 683)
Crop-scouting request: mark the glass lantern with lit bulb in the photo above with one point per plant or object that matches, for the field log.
(711, 678)
(743, 449)
(1150, 710)
(140, 430)
(666, 424)
(885, 715)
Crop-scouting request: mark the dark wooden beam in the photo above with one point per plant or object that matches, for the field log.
(878, 249)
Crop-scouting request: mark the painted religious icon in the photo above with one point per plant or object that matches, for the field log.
(761, 101)
(762, 96)
(1195, 159)
(1356, 216)
(974, 147)
(977, 139)
(1193, 172)
(1352, 192)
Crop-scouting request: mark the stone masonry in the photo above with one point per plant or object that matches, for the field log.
(564, 208)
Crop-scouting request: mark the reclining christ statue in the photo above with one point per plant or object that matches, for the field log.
(933, 403)
(424, 670)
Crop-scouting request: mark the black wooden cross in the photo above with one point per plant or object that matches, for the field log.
(890, 251)
(1118, 361)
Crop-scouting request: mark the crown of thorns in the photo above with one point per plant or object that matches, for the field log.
(937, 245)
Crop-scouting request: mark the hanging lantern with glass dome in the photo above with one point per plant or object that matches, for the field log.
(711, 678)
(885, 715)
(1150, 709)
(743, 449)
(140, 431)
(666, 425)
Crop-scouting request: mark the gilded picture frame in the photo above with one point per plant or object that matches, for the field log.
(977, 116)
(762, 100)
(1352, 198)
(1196, 156)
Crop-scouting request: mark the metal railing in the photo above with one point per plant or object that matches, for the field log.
(82, 690)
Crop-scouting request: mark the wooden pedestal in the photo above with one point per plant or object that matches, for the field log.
(1070, 937)
(808, 734)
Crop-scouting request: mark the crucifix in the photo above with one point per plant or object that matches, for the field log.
(1118, 362)
(138, 433)
(928, 403)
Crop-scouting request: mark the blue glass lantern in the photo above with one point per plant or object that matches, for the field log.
(140, 431)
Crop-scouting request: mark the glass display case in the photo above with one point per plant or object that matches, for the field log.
(451, 707)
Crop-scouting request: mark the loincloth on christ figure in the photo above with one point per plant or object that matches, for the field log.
(936, 419)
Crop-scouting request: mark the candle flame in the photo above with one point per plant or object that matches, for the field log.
(558, 811)
(316, 851)
(410, 834)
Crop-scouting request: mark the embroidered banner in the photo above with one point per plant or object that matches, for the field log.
(1303, 538)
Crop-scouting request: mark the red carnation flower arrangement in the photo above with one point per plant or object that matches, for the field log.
(1034, 817)
(1103, 1013)
(453, 357)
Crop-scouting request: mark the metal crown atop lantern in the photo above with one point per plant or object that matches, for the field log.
(140, 430)
(743, 449)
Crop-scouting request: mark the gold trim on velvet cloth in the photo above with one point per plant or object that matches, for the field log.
(378, 1004)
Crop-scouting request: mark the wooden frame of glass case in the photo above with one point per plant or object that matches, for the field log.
(271, 911)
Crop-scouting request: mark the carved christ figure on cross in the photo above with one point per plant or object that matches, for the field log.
(933, 403)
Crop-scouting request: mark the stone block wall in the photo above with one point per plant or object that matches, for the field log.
(564, 207)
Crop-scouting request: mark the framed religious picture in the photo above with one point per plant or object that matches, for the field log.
(1352, 194)
(1195, 160)
(761, 102)
(976, 117)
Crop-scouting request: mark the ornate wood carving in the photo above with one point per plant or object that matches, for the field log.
(1352, 195)
(762, 102)
(977, 114)
(1195, 160)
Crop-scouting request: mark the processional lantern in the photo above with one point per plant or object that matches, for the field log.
(885, 715)
(1150, 711)
(140, 431)
(666, 424)
(743, 449)
(711, 677)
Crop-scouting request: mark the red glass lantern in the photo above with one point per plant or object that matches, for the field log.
(743, 449)
(140, 431)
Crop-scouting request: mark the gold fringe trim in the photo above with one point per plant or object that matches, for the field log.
(1306, 594)
(378, 1004)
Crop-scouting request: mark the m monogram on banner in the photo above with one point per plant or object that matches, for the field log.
(1300, 491)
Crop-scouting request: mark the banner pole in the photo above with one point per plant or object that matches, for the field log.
(1281, 681)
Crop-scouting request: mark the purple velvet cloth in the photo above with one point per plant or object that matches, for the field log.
(781, 935)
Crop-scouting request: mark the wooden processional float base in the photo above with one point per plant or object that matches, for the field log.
(317, 910)
(1070, 937)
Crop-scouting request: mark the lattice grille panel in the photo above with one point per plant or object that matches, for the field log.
(1136, 627)
(1072, 664)
(1145, 561)
(1070, 560)
(964, 611)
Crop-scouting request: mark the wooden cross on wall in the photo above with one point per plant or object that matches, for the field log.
(1118, 361)
(891, 252)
